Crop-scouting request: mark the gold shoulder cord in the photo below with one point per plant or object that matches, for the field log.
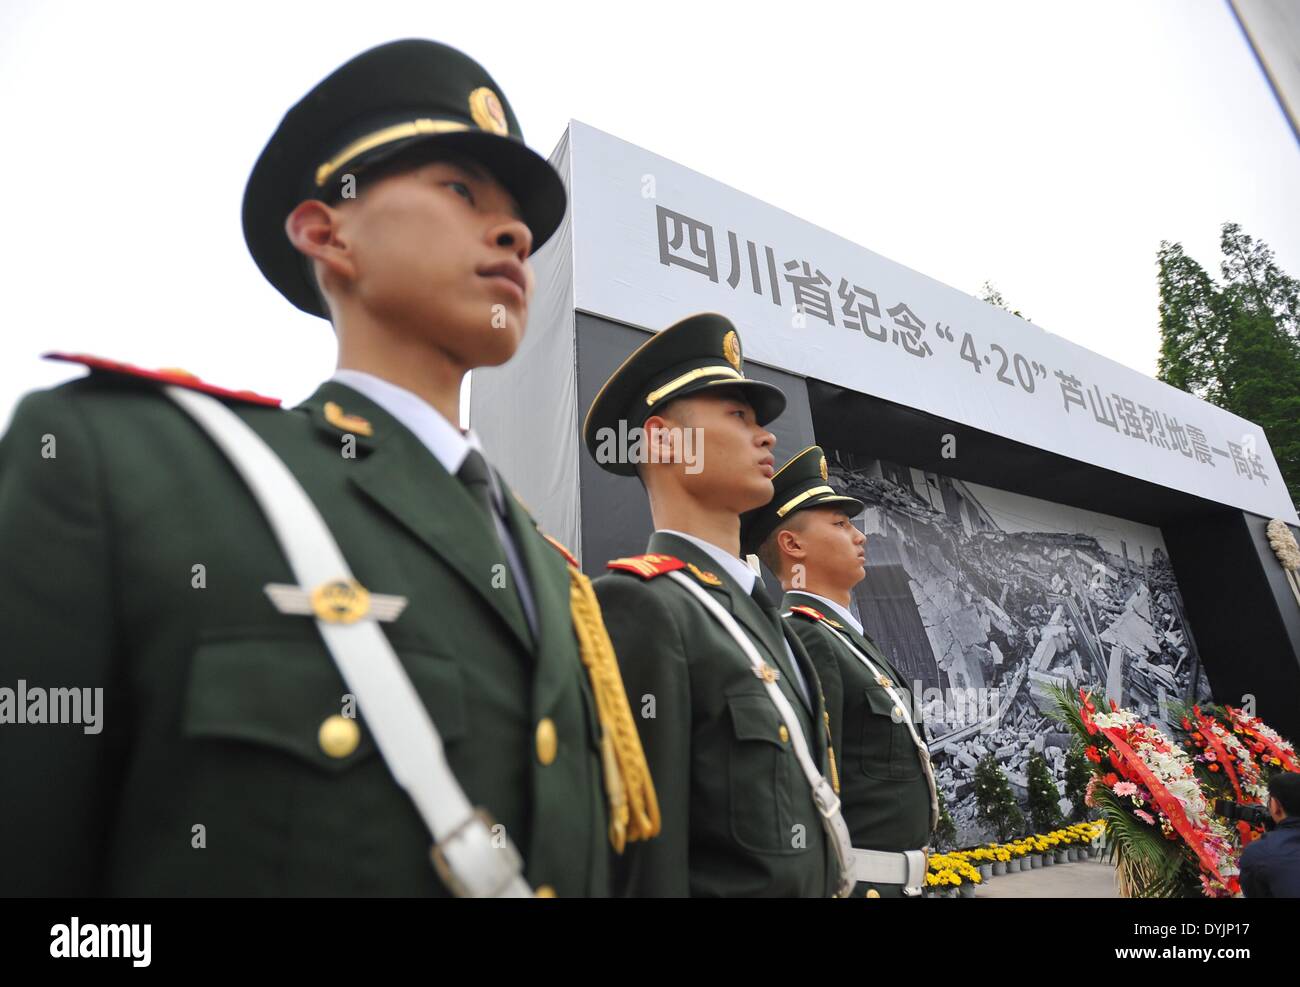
(633, 806)
(830, 750)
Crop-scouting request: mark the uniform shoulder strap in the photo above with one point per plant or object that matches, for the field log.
(646, 566)
(172, 376)
(816, 615)
(555, 543)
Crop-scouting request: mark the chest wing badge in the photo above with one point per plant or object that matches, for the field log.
(343, 601)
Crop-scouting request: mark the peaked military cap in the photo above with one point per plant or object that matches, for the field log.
(383, 103)
(695, 355)
(799, 484)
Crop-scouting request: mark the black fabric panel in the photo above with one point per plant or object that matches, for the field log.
(1244, 618)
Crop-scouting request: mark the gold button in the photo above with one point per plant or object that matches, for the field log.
(784, 733)
(339, 736)
(546, 741)
(884, 680)
(898, 712)
(873, 893)
(545, 891)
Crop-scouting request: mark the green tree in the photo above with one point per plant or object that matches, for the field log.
(1044, 812)
(1236, 343)
(1078, 772)
(990, 294)
(945, 834)
(995, 802)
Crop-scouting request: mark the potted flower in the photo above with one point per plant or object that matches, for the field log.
(1060, 848)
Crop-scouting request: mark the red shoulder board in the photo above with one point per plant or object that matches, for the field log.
(568, 556)
(647, 566)
(812, 614)
(180, 378)
(808, 612)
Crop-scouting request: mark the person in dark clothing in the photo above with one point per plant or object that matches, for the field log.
(1270, 867)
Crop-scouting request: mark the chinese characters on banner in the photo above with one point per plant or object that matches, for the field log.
(800, 286)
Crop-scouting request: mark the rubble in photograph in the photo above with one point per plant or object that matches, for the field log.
(982, 621)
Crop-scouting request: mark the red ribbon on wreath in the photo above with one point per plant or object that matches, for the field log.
(1220, 753)
(1168, 804)
(1240, 718)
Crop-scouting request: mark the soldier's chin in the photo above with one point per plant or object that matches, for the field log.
(761, 493)
(496, 346)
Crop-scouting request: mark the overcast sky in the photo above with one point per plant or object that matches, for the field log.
(1046, 147)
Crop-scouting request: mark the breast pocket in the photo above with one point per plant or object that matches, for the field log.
(292, 792)
(763, 780)
(289, 698)
(888, 753)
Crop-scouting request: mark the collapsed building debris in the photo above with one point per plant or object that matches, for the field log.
(1001, 618)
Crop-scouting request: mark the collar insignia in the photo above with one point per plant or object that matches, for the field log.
(707, 578)
(347, 423)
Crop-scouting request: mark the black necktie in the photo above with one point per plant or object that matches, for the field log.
(759, 595)
(477, 478)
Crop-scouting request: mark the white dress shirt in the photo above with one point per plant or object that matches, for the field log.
(449, 446)
(745, 576)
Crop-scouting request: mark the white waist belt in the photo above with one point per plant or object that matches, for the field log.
(885, 867)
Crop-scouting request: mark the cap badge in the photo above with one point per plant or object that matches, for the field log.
(485, 107)
(731, 348)
(822, 467)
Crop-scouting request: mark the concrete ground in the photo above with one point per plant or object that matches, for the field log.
(1084, 879)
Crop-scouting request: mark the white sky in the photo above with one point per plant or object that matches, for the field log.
(1047, 147)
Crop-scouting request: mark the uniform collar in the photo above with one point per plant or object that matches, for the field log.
(737, 570)
(448, 443)
(843, 612)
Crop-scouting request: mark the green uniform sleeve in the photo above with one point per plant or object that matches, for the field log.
(56, 612)
(652, 660)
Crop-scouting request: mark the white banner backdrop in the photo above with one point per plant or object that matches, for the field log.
(654, 241)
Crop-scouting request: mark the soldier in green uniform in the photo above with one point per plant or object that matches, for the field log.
(805, 535)
(729, 708)
(153, 542)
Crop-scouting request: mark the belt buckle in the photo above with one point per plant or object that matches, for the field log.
(910, 890)
(510, 863)
(828, 803)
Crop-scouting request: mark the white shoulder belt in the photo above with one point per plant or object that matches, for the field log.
(470, 858)
(828, 803)
(922, 749)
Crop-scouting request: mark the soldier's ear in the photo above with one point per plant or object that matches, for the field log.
(314, 229)
(659, 433)
(788, 541)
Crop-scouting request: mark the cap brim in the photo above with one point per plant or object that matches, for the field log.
(751, 538)
(767, 400)
(850, 505)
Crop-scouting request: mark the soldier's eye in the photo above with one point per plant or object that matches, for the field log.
(461, 189)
